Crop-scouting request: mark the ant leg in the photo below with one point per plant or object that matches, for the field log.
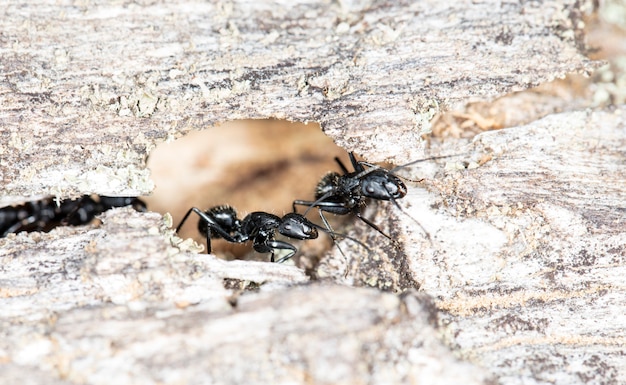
(331, 207)
(211, 225)
(358, 167)
(309, 205)
(334, 237)
(372, 225)
(342, 166)
(280, 245)
(327, 225)
(208, 240)
(194, 209)
(395, 202)
(201, 214)
(332, 234)
(339, 209)
(318, 203)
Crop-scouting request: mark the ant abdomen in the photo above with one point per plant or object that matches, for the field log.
(224, 217)
(327, 184)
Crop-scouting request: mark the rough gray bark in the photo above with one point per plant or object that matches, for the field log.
(541, 278)
(528, 249)
(522, 278)
(126, 307)
(525, 284)
(87, 91)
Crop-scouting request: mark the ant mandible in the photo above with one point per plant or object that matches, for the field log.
(46, 214)
(346, 193)
(258, 227)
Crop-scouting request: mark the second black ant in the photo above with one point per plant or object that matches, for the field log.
(346, 193)
(259, 227)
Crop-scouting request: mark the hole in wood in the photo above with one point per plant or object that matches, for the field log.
(252, 165)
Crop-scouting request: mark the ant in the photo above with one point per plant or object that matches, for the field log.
(46, 214)
(259, 227)
(346, 193)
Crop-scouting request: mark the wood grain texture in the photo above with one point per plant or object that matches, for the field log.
(522, 280)
(528, 249)
(120, 304)
(541, 281)
(87, 90)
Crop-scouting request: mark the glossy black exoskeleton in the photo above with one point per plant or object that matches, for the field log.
(258, 227)
(46, 214)
(347, 193)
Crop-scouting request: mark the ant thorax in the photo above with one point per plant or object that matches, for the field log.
(260, 223)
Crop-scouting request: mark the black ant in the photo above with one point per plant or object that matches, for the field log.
(46, 214)
(259, 227)
(346, 193)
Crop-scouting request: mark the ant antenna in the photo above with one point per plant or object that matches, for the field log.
(328, 230)
(392, 171)
(424, 160)
(319, 200)
(333, 234)
(410, 180)
(426, 233)
(395, 202)
(396, 168)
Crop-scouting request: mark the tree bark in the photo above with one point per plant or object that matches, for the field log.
(521, 278)
(513, 273)
(89, 90)
(527, 248)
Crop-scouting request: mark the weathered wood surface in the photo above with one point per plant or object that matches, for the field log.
(523, 281)
(119, 304)
(537, 265)
(87, 90)
(528, 252)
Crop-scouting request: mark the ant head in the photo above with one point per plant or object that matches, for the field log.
(382, 185)
(296, 226)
